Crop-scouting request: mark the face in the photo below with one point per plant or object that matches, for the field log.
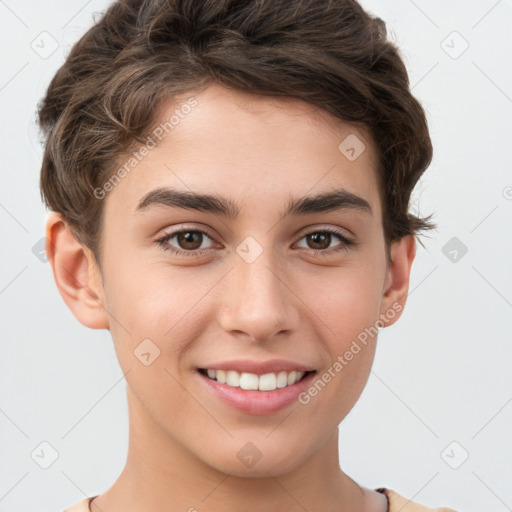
(191, 283)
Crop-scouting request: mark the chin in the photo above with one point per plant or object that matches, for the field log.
(253, 459)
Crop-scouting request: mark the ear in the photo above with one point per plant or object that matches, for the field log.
(76, 274)
(396, 285)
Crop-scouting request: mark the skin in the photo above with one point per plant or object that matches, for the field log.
(289, 303)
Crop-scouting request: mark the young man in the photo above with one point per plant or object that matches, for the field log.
(229, 184)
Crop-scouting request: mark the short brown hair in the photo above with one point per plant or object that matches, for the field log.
(140, 53)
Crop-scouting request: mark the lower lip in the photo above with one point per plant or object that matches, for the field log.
(258, 402)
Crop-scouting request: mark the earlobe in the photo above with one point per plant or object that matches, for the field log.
(76, 274)
(396, 286)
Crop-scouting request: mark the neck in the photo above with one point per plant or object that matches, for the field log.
(162, 475)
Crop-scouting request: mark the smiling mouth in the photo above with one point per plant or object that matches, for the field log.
(252, 381)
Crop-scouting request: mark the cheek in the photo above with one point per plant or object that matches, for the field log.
(149, 318)
(347, 303)
(154, 296)
(346, 299)
(156, 302)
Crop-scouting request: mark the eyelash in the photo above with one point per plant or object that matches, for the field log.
(343, 247)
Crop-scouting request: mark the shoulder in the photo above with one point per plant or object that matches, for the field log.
(397, 503)
(81, 506)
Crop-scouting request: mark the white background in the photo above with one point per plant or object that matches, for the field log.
(441, 374)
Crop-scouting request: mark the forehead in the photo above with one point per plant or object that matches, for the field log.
(258, 148)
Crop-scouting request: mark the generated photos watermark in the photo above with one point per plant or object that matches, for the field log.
(151, 142)
(343, 360)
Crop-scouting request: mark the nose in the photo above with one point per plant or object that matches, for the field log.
(257, 301)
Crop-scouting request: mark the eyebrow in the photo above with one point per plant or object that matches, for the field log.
(336, 200)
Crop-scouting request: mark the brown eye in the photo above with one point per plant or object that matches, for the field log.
(319, 240)
(186, 242)
(189, 240)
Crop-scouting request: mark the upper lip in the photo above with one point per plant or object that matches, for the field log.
(258, 367)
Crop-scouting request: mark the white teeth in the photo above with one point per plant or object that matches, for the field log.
(233, 378)
(251, 381)
(282, 380)
(291, 377)
(248, 381)
(268, 382)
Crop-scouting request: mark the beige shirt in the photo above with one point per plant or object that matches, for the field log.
(396, 503)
